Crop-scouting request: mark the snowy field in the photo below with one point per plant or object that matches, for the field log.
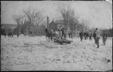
(35, 53)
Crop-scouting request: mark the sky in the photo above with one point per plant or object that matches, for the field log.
(94, 14)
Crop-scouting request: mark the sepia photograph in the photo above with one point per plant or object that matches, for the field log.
(56, 35)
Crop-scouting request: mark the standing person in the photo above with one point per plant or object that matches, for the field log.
(97, 37)
(69, 32)
(18, 32)
(52, 33)
(63, 32)
(47, 34)
(104, 38)
(94, 35)
(59, 31)
(90, 35)
(85, 35)
(81, 35)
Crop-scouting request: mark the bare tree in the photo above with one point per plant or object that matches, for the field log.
(30, 16)
(19, 19)
(28, 21)
(69, 17)
(33, 17)
(71, 20)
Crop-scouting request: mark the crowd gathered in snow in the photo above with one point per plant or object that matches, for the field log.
(61, 33)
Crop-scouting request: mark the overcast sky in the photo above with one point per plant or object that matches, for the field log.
(95, 14)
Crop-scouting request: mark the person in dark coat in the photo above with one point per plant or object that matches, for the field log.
(48, 36)
(86, 35)
(97, 37)
(81, 35)
(63, 33)
(94, 35)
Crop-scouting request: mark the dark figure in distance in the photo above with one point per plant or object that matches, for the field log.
(97, 37)
(104, 38)
(90, 36)
(48, 35)
(81, 35)
(63, 33)
(70, 34)
(86, 35)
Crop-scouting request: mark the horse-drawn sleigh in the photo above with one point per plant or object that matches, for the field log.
(58, 36)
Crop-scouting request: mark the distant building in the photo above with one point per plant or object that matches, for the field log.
(53, 24)
(8, 28)
(12, 26)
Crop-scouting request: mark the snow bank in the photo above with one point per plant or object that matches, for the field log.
(35, 53)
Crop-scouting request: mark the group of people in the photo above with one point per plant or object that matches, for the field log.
(85, 35)
(96, 36)
(60, 33)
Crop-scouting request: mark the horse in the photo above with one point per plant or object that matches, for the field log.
(50, 34)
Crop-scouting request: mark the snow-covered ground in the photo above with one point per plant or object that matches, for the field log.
(35, 53)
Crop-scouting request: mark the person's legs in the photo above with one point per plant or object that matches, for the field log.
(97, 42)
(90, 37)
(104, 41)
(85, 37)
(69, 35)
(51, 37)
(80, 38)
(64, 35)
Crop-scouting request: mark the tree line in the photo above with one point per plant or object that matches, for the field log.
(34, 23)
